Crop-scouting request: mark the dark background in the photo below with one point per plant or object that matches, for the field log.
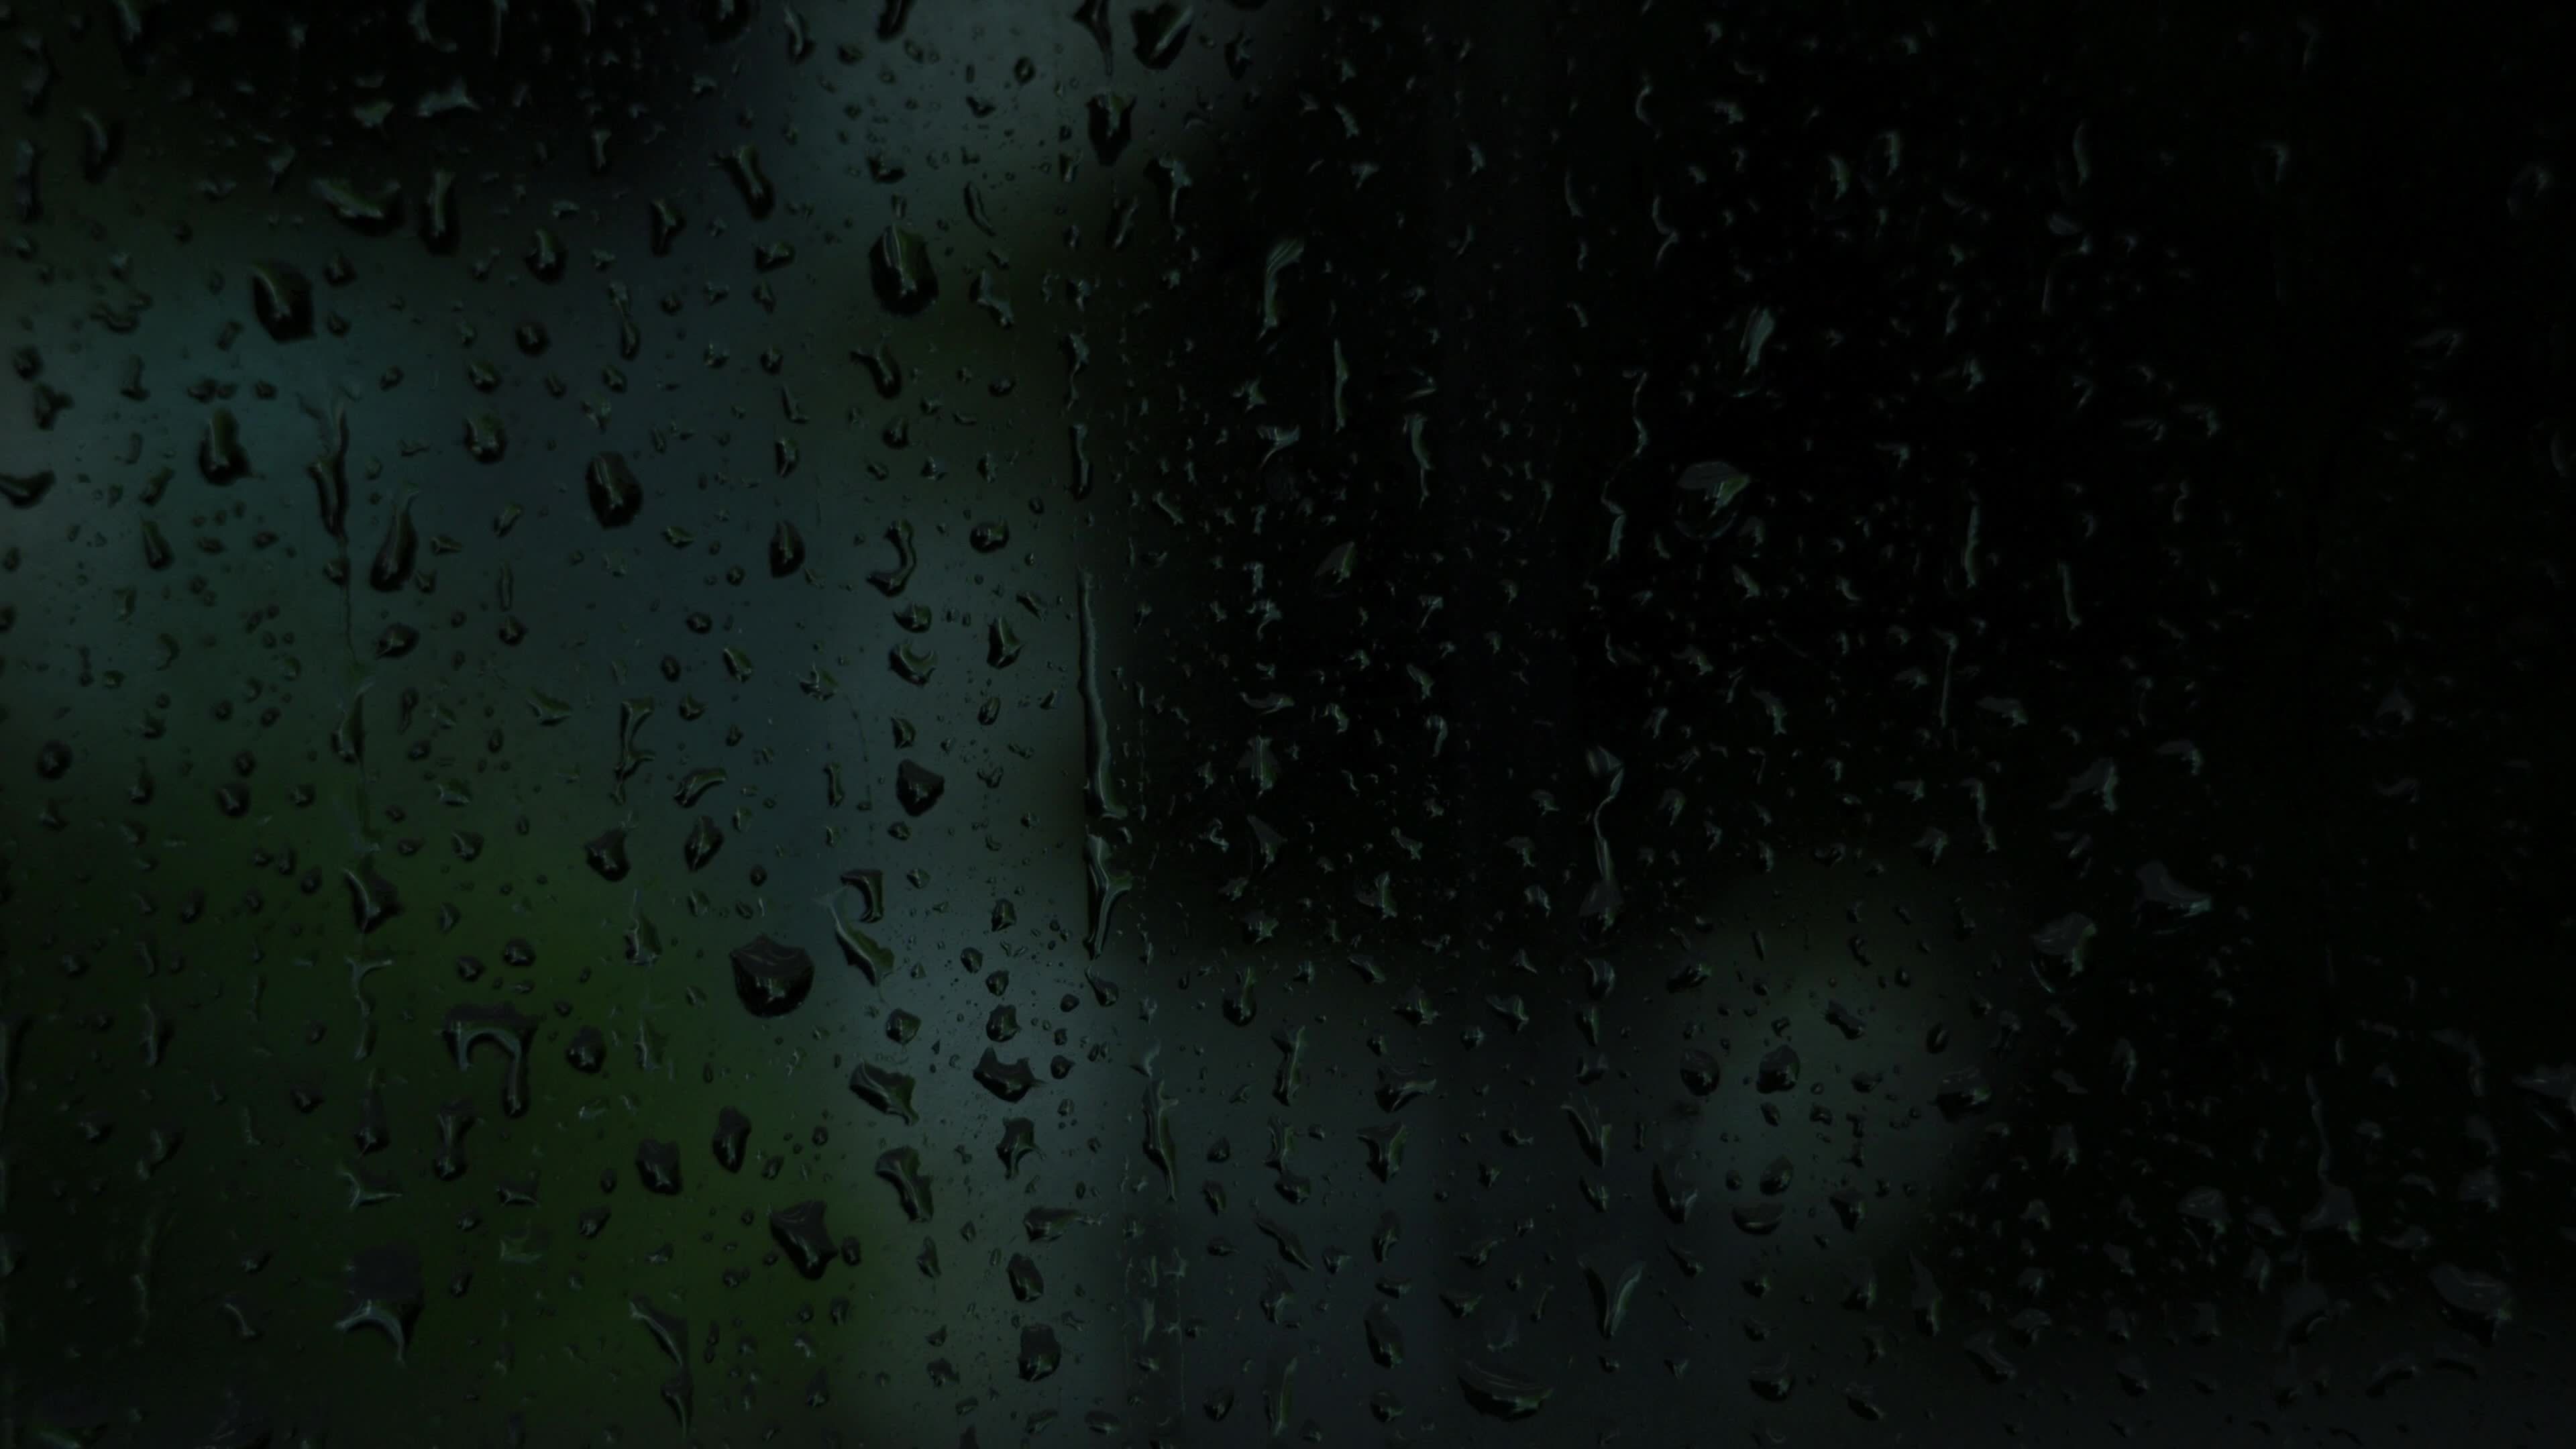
(2156, 449)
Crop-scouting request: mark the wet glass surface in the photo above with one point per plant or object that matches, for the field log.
(905, 724)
